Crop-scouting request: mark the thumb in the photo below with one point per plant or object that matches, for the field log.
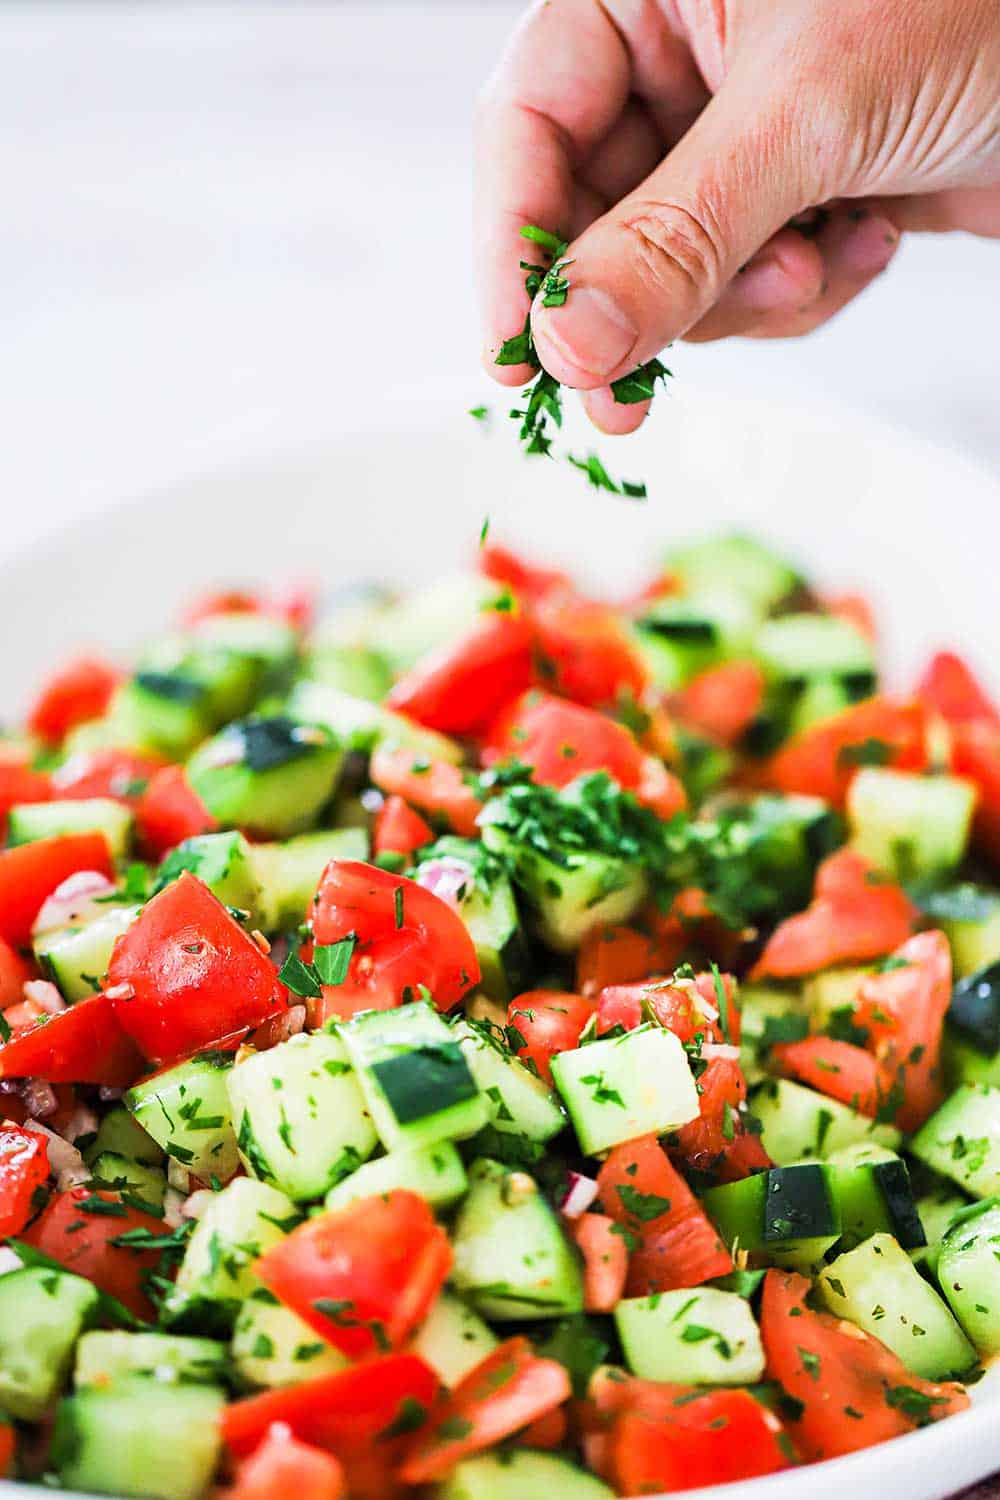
(651, 267)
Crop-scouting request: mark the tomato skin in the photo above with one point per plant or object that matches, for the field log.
(8, 1448)
(676, 1248)
(562, 740)
(122, 774)
(549, 1021)
(282, 1466)
(843, 1395)
(605, 1261)
(403, 940)
(79, 691)
(724, 701)
(19, 783)
(976, 755)
(15, 971)
(383, 1260)
(24, 1167)
(818, 761)
(170, 811)
(82, 1044)
(460, 687)
(398, 829)
(709, 1143)
(504, 566)
(30, 873)
(506, 1391)
(950, 687)
(853, 918)
(83, 1242)
(438, 789)
(185, 974)
(583, 651)
(838, 1069)
(903, 1012)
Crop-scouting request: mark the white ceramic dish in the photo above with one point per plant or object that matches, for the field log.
(917, 526)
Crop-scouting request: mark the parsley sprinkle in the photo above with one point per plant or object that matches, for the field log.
(332, 960)
(642, 1206)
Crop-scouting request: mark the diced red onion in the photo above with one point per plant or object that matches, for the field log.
(39, 1098)
(108, 1095)
(580, 1194)
(448, 878)
(74, 899)
(65, 1162)
(283, 1027)
(721, 1049)
(82, 1121)
(43, 993)
(173, 1208)
(177, 1176)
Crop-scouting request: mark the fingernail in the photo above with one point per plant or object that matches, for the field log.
(870, 246)
(590, 332)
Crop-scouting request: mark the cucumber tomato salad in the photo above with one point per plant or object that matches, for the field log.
(495, 1042)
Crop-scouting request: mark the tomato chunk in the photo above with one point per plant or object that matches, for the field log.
(718, 1142)
(15, 971)
(282, 1466)
(400, 830)
(169, 811)
(841, 1070)
(82, 1044)
(724, 701)
(405, 937)
(583, 651)
(364, 1276)
(77, 692)
(122, 774)
(30, 873)
(542, 1023)
(903, 1013)
(185, 974)
(614, 956)
(504, 566)
(436, 787)
(822, 760)
(24, 1167)
(605, 1261)
(976, 754)
(89, 1233)
(950, 687)
(854, 1392)
(459, 688)
(19, 783)
(561, 740)
(509, 1389)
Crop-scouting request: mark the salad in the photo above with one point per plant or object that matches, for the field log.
(493, 1042)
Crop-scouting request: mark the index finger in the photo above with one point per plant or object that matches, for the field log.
(559, 88)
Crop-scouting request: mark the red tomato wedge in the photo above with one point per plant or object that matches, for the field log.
(854, 1392)
(855, 916)
(79, 691)
(614, 956)
(724, 700)
(840, 1070)
(542, 1023)
(24, 1167)
(405, 937)
(82, 1044)
(14, 973)
(583, 652)
(364, 1276)
(8, 1448)
(185, 974)
(673, 1242)
(950, 687)
(398, 829)
(718, 1141)
(436, 787)
(605, 1261)
(903, 1013)
(509, 1389)
(169, 811)
(282, 1467)
(822, 760)
(88, 1233)
(19, 783)
(31, 872)
(524, 578)
(976, 754)
(460, 687)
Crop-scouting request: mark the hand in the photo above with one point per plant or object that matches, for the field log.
(725, 166)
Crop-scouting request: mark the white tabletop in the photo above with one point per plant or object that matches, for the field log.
(226, 227)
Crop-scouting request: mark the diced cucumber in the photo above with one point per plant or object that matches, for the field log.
(907, 825)
(360, 725)
(626, 1086)
(965, 1063)
(797, 1121)
(787, 1215)
(974, 1012)
(434, 1172)
(273, 1346)
(78, 957)
(962, 1140)
(288, 874)
(821, 698)
(423, 618)
(703, 1337)
(349, 669)
(520, 1474)
(273, 775)
(938, 1206)
(878, 1287)
(147, 1183)
(519, 1102)
(571, 896)
(106, 1354)
(512, 1259)
(969, 916)
(798, 647)
(261, 638)
(238, 1225)
(300, 1116)
(743, 564)
(42, 1314)
(186, 1111)
(222, 861)
(764, 1010)
(415, 1076)
(876, 1197)
(704, 764)
(120, 1133)
(968, 1271)
(487, 907)
(832, 990)
(139, 1436)
(680, 636)
(29, 821)
(453, 1339)
(165, 711)
(783, 839)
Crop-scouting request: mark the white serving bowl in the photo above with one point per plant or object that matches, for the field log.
(404, 498)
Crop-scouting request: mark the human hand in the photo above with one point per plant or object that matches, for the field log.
(675, 141)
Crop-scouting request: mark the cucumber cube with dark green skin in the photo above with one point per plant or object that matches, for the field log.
(288, 873)
(105, 1354)
(742, 564)
(120, 1132)
(969, 916)
(164, 710)
(222, 861)
(415, 1076)
(877, 1198)
(961, 1140)
(42, 1314)
(148, 1184)
(519, 1102)
(273, 775)
(186, 1110)
(360, 724)
(28, 821)
(139, 1437)
(680, 637)
(797, 648)
(968, 1271)
(77, 958)
(974, 1011)
(787, 1215)
(798, 1122)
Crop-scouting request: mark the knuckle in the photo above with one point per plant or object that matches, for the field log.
(671, 240)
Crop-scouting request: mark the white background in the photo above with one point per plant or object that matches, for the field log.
(224, 229)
